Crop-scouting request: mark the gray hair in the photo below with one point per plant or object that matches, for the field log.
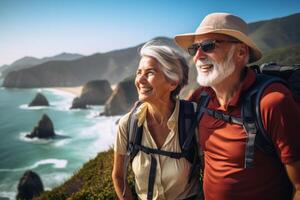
(172, 64)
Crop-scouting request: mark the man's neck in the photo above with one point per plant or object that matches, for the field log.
(227, 89)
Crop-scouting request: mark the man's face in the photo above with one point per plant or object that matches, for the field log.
(216, 63)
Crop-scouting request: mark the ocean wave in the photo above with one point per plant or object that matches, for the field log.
(62, 105)
(51, 180)
(26, 107)
(22, 136)
(7, 194)
(61, 143)
(93, 114)
(56, 163)
(59, 136)
(103, 135)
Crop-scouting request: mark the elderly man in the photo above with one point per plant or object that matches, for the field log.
(221, 49)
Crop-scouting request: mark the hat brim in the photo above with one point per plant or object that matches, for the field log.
(186, 40)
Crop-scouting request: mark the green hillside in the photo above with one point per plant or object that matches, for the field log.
(93, 181)
(285, 56)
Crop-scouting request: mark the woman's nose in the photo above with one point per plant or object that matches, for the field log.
(140, 78)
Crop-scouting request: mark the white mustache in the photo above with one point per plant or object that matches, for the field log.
(199, 63)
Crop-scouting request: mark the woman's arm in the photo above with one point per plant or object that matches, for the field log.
(118, 177)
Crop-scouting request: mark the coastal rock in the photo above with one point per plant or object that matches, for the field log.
(39, 100)
(122, 98)
(30, 185)
(44, 129)
(77, 103)
(93, 93)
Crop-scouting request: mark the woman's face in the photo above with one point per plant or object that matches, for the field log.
(151, 83)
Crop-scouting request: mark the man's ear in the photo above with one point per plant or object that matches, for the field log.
(243, 51)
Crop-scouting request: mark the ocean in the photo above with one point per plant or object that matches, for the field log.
(82, 134)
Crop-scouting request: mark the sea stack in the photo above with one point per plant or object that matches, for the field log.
(44, 129)
(39, 100)
(93, 93)
(30, 185)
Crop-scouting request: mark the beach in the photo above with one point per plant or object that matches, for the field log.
(73, 90)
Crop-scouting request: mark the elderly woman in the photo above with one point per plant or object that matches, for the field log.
(159, 78)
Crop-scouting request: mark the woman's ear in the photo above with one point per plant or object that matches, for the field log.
(173, 85)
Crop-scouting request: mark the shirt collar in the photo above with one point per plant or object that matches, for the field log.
(245, 85)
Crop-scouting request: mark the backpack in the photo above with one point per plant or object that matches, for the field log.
(189, 147)
(250, 108)
(289, 73)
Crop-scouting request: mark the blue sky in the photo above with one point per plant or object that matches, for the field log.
(42, 28)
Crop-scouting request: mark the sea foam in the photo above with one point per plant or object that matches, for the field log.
(56, 163)
(26, 107)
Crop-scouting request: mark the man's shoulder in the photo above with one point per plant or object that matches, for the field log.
(277, 95)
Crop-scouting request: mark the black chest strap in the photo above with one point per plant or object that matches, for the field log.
(249, 126)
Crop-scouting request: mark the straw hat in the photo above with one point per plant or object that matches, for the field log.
(223, 23)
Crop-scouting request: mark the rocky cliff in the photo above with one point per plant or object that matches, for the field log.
(122, 98)
(93, 93)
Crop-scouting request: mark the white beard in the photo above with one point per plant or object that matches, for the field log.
(219, 71)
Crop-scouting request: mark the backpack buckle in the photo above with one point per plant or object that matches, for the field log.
(130, 148)
(218, 115)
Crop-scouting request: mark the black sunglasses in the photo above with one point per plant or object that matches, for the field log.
(207, 46)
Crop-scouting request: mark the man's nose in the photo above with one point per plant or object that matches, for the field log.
(200, 55)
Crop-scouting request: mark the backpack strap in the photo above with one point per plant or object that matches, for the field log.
(186, 126)
(222, 116)
(187, 138)
(262, 82)
(201, 105)
(134, 135)
(151, 179)
(252, 120)
(151, 151)
(250, 127)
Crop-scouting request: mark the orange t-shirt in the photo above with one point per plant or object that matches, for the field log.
(225, 177)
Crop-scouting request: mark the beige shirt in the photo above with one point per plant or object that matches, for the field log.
(171, 181)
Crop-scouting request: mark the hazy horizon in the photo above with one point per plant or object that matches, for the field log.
(47, 28)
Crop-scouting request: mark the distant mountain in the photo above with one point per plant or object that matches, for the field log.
(276, 33)
(113, 66)
(116, 65)
(28, 61)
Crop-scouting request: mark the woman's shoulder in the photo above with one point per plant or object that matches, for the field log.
(124, 120)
